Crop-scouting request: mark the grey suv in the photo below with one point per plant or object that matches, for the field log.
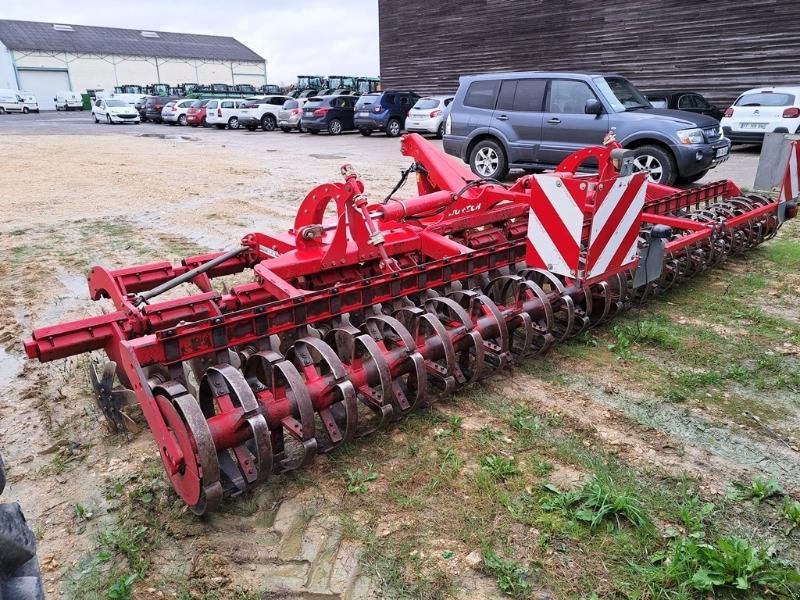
(534, 120)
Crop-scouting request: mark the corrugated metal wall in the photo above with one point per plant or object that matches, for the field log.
(718, 48)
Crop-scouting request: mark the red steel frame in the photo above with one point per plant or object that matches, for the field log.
(456, 229)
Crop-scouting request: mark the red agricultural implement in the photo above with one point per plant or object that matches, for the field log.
(352, 321)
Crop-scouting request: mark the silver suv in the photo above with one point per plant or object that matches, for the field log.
(534, 120)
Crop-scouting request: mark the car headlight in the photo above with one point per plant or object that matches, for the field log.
(691, 136)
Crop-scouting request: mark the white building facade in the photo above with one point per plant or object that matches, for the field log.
(44, 58)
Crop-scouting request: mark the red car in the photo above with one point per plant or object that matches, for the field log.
(196, 115)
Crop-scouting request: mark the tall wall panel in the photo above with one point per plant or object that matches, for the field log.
(718, 48)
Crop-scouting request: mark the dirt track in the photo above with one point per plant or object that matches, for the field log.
(119, 200)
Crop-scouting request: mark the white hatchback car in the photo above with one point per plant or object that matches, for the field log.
(223, 112)
(175, 112)
(112, 110)
(760, 111)
(428, 115)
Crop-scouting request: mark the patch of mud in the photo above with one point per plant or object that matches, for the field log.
(663, 436)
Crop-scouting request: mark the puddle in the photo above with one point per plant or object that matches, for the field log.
(328, 156)
(167, 136)
(10, 367)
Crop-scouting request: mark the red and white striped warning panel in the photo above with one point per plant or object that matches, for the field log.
(615, 224)
(555, 224)
(790, 188)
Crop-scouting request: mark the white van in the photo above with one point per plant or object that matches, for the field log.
(66, 100)
(30, 101)
(12, 102)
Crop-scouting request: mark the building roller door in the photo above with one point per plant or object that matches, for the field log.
(44, 85)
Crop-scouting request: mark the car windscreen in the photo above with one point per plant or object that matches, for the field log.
(290, 104)
(115, 103)
(765, 99)
(621, 93)
(366, 100)
(427, 103)
(658, 102)
(314, 103)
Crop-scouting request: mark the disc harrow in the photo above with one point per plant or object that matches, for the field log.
(351, 323)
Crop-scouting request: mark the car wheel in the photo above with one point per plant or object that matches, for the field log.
(393, 128)
(440, 131)
(313, 131)
(203, 122)
(365, 132)
(182, 120)
(657, 162)
(335, 127)
(488, 160)
(300, 127)
(268, 123)
(233, 123)
(2, 110)
(96, 120)
(108, 119)
(692, 178)
(25, 110)
(286, 129)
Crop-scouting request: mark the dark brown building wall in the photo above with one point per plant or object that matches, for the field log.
(718, 48)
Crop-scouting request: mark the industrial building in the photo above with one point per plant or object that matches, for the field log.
(718, 48)
(44, 58)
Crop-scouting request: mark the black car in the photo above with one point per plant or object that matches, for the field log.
(153, 106)
(384, 111)
(333, 114)
(688, 101)
(534, 120)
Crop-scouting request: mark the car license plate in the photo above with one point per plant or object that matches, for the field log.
(362, 113)
(722, 152)
(753, 125)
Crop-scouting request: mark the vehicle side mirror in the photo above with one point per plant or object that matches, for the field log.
(593, 107)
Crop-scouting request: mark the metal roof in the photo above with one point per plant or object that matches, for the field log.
(30, 35)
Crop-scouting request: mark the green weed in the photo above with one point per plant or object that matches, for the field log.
(512, 578)
(690, 565)
(599, 498)
(499, 468)
(757, 490)
(487, 435)
(357, 479)
(791, 512)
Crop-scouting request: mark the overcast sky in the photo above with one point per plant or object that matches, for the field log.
(296, 37)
